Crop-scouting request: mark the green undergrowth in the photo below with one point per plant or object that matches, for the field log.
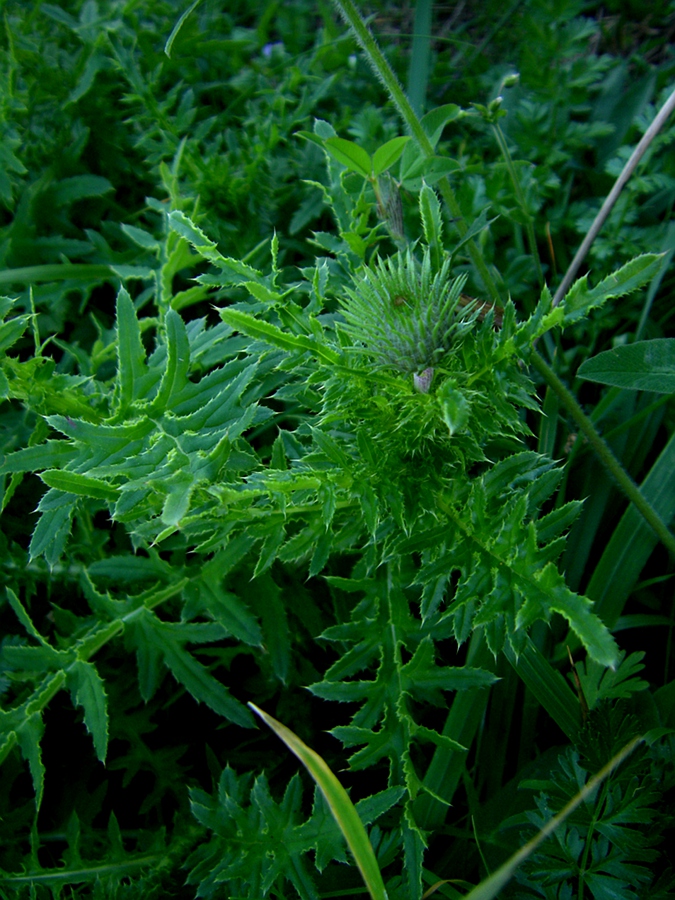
(290, 417)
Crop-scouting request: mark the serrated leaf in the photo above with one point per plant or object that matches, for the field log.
(580, 299)
(140, 237)
(182, 225)
(43, 456)
(643, 366)
(269, 602)
(192, 675)
(175, 374)
(23, 616)
(52, 530)
(185, 227)
(177, 502)
(87, 690)
(269, 550)
(29, 735)
(204, 687)
(11, 331)
(33, 659)
(455, 408)
(592, 632)
(81, 485)
(270, 334)
(130, 351)
(432, 223)
(79, 187)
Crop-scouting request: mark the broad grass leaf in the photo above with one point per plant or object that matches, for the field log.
(177, 27)
(548, 686)
(633, 541)
(643, 366)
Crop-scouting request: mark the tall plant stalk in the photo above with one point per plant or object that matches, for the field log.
(386, 75)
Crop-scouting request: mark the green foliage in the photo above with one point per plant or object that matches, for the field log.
(258, 444)
(607, 845)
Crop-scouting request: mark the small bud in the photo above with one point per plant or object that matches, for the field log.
(422, 381)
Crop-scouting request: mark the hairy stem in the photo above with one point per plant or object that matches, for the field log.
(611, 463)
(386, 75)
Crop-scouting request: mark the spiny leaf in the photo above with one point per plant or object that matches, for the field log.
(580, 299)
(86, 687)
(130, 351)
(80, 485)
(270, 334)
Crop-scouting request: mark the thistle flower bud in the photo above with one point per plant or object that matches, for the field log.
(405, 317)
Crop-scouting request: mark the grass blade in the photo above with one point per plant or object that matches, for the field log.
(491, 886)
(342, 808)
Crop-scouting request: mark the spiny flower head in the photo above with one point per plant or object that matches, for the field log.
(404, 316)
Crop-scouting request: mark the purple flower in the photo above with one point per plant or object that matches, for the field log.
(269, 49)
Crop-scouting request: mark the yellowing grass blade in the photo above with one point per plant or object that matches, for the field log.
(344, 811)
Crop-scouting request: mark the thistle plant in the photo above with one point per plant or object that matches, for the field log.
(316, 479)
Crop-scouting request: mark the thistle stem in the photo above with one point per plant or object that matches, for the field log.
(611, 463)
(388, 78)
